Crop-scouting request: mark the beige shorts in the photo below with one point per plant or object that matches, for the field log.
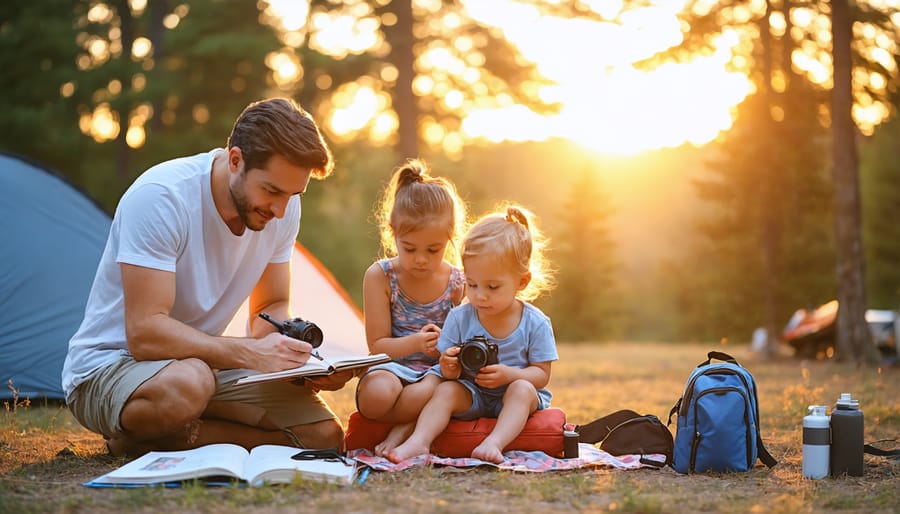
(97, 402)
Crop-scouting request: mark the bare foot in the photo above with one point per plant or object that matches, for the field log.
(488, 452)
(124, 447)
(407, 450)
(395, 437)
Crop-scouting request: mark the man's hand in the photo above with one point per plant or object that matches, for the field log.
(276, 352)
(331, 382)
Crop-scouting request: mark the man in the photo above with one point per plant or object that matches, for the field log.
(191, 239)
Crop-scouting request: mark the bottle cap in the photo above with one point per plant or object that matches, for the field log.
(846, 401)
(817, 410)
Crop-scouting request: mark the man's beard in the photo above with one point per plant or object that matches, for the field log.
(244, 209)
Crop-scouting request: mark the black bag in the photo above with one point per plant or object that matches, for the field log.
(626, 432)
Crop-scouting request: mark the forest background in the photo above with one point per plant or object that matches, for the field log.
(676, 240)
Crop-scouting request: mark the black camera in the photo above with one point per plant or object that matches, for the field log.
(298, 328)
(476, 353)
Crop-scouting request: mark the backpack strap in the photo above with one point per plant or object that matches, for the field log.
(763, 453)
(674, 410)
(872, 450)
(596, 430)
(722, 356)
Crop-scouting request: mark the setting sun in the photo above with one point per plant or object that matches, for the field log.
(607, 104)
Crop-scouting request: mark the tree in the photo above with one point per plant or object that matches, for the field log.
(880, 186)
(853, 337)
(206, 64)
(430, 62)
(791, 31)
(766, 246)
(38, 117)
(102, 90)
(588, 306)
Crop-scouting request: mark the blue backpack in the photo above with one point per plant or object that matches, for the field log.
(718, 420)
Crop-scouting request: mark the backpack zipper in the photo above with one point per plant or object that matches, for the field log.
(694, 444)
(689, 390)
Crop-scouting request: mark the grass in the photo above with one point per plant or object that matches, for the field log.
(45, 455)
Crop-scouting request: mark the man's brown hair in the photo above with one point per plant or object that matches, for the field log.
(279, 126)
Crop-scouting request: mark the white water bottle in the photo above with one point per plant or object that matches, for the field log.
(816, 443)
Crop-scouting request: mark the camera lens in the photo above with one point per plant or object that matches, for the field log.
(473, 357)
(313, 335)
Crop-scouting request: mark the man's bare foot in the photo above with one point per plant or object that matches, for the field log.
(124, 447)
(488, 452)
(407, 450)
(395, 437)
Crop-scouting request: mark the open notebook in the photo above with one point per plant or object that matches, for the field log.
(317, 367)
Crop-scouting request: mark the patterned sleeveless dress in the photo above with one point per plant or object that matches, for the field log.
(409, 316)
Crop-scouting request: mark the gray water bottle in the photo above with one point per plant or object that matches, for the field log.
(847, 438)
(570, 444)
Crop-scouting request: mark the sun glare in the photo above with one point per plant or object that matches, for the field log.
(608, 105)
(291, 13)
(357, 107)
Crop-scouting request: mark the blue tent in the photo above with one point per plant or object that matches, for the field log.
(53, 236)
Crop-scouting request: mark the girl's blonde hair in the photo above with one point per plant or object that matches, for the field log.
(412, 200)
(510, 234)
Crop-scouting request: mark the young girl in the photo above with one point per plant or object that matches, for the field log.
(502, 255)
(406, 297)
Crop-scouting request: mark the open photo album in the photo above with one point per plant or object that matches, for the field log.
(221, 464)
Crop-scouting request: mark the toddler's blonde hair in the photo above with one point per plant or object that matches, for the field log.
(413, 200)
(511, 235)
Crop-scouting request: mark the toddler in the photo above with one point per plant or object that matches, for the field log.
(502, 255)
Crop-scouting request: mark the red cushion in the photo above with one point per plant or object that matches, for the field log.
(543, 432)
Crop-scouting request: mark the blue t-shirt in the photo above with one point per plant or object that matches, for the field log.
(531, 342)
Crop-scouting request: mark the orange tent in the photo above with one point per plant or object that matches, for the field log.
(317, 297)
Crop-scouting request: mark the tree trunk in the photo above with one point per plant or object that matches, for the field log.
(123, 151)
(770, 213)
(853, 339)
(404, 59)
(158, 11)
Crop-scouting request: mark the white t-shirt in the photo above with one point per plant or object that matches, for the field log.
(167, 220)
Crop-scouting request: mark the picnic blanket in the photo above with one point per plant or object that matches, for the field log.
(516, 460)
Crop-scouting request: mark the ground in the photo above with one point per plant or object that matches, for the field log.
(45, 456)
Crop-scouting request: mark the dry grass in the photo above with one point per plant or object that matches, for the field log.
(45, 456)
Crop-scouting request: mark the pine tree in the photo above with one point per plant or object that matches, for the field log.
(588, 306)
(880, 183)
